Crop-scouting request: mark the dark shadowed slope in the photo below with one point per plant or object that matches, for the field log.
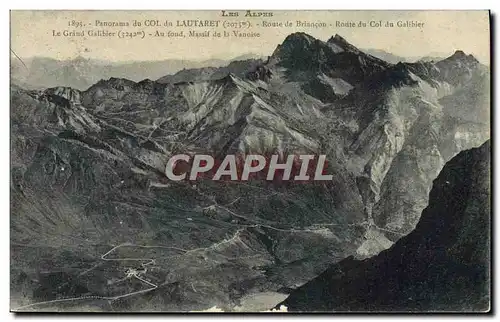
(443, 265)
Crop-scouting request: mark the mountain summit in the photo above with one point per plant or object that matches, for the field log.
(343, 44)
(319, 65)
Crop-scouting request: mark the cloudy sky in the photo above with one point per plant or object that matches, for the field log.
(442, 32)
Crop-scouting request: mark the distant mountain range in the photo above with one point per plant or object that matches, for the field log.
(394, 59)
(80, 73)
(88, 190)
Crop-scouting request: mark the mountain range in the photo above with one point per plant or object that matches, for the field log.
(394, 59)
(81, 72)
(90, 200)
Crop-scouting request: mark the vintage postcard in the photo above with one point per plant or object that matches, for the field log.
(250, 161)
